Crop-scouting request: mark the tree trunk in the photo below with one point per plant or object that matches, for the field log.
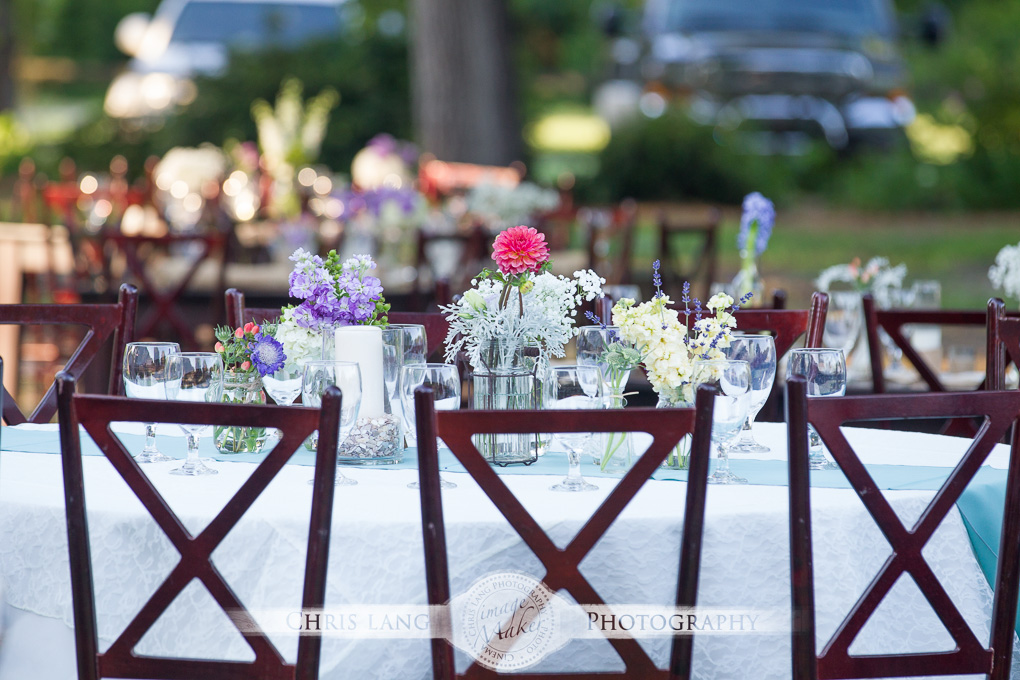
(463, 81)
(6, 54)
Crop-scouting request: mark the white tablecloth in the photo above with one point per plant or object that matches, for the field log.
(376, 558)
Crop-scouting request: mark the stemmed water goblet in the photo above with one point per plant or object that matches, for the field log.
(575, 387)
(444, 380)
(825, 373)
(194, 377)
(284, 386)
(732, 382)
(145, 370)
(759, 351)
(317, 377)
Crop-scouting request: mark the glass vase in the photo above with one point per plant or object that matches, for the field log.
(505, 377)
(679, 457)
(613, 452)
(241, 388)
(748, 280)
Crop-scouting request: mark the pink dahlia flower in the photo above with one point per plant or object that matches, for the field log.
(520, 249)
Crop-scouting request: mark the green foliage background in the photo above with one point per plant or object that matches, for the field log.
(971, 80)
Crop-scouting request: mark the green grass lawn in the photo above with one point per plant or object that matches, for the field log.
(955, 249)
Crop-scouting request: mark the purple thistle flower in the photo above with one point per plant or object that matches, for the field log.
(267, 354)
(758, 213)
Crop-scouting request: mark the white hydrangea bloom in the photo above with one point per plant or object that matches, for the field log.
(300, 344)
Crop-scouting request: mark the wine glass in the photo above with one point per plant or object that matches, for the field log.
(445, 383)
(324, 373)
(825, 373)
(284, 386)
(759, 351)
(732, 382)
(843, 320)
(197, 377)
(145, 365)
(575, 387)
(403, 344)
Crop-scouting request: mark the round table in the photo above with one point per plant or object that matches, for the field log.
(376, 558)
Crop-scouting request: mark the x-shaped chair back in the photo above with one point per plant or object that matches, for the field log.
(435, 323)
(120, 661)
(164, 301)
(562, 564)
(101, 321)
(999, 412)
(892, 322)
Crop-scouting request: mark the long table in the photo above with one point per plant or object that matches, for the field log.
(376, 556)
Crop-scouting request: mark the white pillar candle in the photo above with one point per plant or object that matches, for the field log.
(363, 345)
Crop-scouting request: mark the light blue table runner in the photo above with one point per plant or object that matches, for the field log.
(759, 472)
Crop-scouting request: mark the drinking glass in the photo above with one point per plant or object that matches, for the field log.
(825, 373)
(445, 383)
(759, 351)
(197, 377)
(575, 387)
(145, 365)
(843, 320)
(403, 344)
(732, 381)
(324, 373)
(284, 386)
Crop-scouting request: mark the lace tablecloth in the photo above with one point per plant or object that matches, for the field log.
(376, 558)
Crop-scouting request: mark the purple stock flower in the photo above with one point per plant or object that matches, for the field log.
(758, 212)
(333, 293)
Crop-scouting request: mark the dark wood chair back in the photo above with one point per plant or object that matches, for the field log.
(164, 303)
(999, 412)
(1002, 344)
(892, 322)
(562, 565)
(474, 248)
(610, 237)
(435, 323)
(787, 326)
(101, 322)
(119, 660)
(700, 225)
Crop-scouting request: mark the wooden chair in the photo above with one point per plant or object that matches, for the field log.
(474, 256)
(702, 265)
(562, 565)
(610, 236)
(164, 302)
(999, 411)
(1002, 344)
(436, 325)
(119, 660)
(788, 325)
(892, 322)
(101, 320)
